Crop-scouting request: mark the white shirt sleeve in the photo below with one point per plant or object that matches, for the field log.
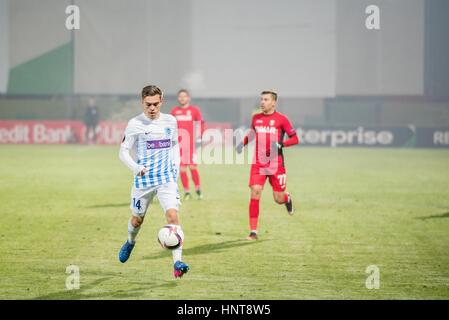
(127, 144)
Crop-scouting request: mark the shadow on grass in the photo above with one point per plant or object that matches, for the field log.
(436, 216)
(207, 248)
(108, 205)
(86, 291)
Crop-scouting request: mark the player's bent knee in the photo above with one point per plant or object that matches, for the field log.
(172, 216)
(256, 195)
(136, 221)
(256, 192)
(279, 198)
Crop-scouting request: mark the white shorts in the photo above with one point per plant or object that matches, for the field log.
(167, 195)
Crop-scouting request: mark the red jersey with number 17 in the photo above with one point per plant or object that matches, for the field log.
(268, 130)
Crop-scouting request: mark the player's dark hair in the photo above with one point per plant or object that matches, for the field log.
(185, 91)
(273, 94)
(151, 91)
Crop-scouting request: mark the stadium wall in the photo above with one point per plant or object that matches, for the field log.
(309, 48)
(389, 61)
(209, 47)
(222, 51)
(437, 49)
(4, 45)
(40, 48)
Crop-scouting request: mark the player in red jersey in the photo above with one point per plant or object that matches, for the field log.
(190, 127)
(268, 128)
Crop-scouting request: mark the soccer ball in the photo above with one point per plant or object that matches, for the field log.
(170, 237)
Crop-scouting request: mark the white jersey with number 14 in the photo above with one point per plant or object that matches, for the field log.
(155, 146)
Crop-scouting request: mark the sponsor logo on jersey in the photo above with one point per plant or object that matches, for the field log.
(266, 129)
(159, 144)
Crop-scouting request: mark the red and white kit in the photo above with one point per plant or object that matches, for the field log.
(268, 162)
(188, 119)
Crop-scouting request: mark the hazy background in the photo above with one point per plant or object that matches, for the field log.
(327, 67)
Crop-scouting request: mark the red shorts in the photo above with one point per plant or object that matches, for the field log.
(278, 178)
(188, 155)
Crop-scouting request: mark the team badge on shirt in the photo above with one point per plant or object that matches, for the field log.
(168, 131)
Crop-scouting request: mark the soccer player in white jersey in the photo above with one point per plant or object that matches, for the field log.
(153, 138)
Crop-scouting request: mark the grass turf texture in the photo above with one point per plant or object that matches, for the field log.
(63, 205)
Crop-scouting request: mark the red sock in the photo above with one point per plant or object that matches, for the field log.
(253, 214)
(195, 178)
(185, 181)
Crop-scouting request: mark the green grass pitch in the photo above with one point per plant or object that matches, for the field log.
(64, 205)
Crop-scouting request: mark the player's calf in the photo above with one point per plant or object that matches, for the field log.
(289, 204)
(284, 198)
(136, 221)
(280, 197)
(133, 229)
(256, 193)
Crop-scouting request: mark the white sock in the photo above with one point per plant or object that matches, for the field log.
(177, 253)
(132, 232)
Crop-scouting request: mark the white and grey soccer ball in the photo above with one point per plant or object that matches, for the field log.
(170, 237)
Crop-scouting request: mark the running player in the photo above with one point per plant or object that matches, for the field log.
(191, 127)
(153, 137)
(268, 128)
